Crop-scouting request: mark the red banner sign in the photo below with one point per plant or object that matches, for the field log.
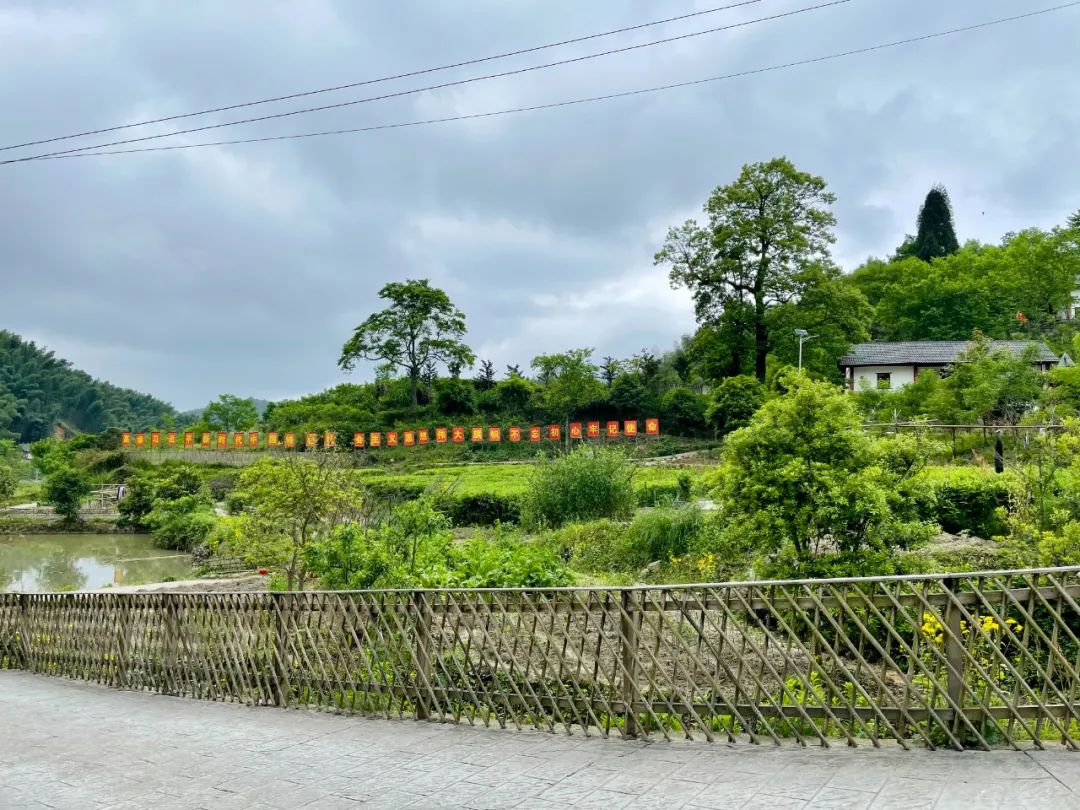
(575, 430)
(125, 439)
(290, 441)
(476, 434)
(391, 439)
(515, 434)
(189, 438)
(494, 434)
(155, 439)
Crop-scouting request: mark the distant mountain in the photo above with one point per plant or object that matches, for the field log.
(39, 390)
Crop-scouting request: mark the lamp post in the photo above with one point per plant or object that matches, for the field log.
(803, 336)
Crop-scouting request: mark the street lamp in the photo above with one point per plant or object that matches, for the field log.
(803, 336)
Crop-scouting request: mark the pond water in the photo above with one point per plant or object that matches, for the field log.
(65, 562)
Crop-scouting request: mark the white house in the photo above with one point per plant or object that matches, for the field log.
(894, 365)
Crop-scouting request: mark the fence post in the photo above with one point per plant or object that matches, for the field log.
(24, 631)
(422, 653)
(954, 649)
(279, 605)
(628, 643)
(172, 644)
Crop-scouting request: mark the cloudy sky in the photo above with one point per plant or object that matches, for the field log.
(243, 268)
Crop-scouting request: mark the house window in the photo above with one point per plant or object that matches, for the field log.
(884, 379)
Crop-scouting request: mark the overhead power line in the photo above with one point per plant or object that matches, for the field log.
(442, 86)
(572, 102)
(407, 75)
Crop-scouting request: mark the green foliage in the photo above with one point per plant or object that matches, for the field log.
(831, 310)
(569, 381)
(38, 390)
(734, 402)
(290, 502)
(764, 230)
(231, 413)
(979, 287)
(936, 235)
(66, 488)
(684, 411)
(661, 534)
(963, 499)
(420, 326)
(804, 478)
(148, 486)
(9, 480)
(182, 523)
(585, 484)
(414, 548)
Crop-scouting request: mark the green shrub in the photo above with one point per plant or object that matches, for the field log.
(181, 524)
(221, 485)
(596, 546)
(661, 534)
(962, 499)
(66, 488)
(483, 509)
(585, 484)
(8, 481)
(734, 403)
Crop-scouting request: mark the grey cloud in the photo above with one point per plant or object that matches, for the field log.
(244, 268)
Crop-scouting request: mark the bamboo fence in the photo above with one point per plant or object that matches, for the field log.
(972, 660)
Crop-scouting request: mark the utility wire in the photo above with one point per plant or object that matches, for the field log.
(444, 85)
(407, 75)
(572, 102)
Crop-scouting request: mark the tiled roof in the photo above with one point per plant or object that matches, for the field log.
(933, 352)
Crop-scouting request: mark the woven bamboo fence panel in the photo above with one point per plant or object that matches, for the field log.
(974, 660)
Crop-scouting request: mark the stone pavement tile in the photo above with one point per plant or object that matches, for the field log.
(509, 794)
(830, 798)
(866, 776)
(668, 794)
(629, 781)
(963, 795)
(765, 801)
(733, 791)
(602, 800)
(1064, 766)
(1044, 794)
(905, 793)
(333, 803)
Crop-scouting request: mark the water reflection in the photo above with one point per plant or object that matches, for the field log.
(65, 562)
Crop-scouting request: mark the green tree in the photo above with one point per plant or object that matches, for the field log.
(804, 479)
(830, 309)
(66, 488)
(569, 382)
(290, 502)
(485, 379)
(683, 411)
(1074, 220)
(609, 370)
(734, 403)
(631, 398)
(230, 412)
(763, 230)
(516, 396)
(988, 386)
(936, 235)
(420, 325)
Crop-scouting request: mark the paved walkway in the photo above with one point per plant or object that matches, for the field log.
(65, 744)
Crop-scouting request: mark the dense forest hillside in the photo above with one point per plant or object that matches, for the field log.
(38, 389)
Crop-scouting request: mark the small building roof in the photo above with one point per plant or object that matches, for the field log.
(933, 352)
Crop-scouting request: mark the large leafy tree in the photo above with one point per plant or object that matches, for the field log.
(936, 236)
(804, 478)
(421, 325)
(569, 381)
(763, 230)
(289, 503)
(230, 412)
(832, 311)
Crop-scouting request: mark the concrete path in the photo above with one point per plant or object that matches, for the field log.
(65, 744)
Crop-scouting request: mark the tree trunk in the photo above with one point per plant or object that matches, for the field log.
(414, 376)
(761, 339)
